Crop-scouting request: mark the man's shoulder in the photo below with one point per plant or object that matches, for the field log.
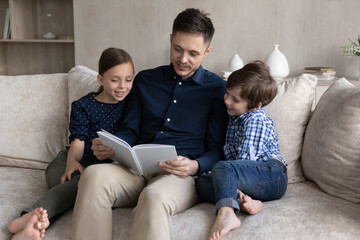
(210, 77)
(154, 71)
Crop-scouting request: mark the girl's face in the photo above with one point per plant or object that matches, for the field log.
(235, 105)
(117, 83)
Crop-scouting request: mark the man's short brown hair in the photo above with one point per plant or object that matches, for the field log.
(193, 20)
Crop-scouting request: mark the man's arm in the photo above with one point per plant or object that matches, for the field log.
(215, 138)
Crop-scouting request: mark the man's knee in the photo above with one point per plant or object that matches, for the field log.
(154, 201)
(91, 173)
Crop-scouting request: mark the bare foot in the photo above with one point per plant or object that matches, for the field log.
(226, 221)
(20, 223)
(43, 220)
(30, 231)
(249, 205)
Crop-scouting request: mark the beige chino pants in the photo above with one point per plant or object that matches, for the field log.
(157, 198)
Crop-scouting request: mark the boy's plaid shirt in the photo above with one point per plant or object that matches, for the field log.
(252, 136)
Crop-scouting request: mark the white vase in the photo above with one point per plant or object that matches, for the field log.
(278, 64)
(235, 63)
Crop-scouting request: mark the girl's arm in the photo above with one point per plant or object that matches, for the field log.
(74, 157)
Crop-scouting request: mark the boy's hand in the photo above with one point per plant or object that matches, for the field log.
(101, 151)
(71, 167)
(182, 167)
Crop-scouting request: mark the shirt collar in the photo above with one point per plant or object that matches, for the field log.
(197, 77)
(245, 115)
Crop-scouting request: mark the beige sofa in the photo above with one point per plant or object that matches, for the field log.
(323, 195)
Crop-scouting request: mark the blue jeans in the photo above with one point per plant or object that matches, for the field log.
(264, 181)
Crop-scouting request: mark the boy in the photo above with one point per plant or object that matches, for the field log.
(254, 168)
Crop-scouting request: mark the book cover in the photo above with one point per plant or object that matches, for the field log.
(143, 158)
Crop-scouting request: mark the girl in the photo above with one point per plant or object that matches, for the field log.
(89, 114)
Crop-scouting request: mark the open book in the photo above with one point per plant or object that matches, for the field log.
(143, 158)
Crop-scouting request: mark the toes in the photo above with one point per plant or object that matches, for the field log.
(33, 219)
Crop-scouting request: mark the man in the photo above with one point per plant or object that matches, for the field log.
(179, 104)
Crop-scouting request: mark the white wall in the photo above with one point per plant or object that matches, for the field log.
(310, 32)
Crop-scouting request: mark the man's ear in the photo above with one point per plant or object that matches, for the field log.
(207, 50)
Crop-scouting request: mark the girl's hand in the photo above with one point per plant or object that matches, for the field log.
(71, 167)
(101, 151)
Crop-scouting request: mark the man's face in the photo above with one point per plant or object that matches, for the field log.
(187, 52)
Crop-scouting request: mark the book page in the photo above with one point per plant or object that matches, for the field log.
(114, 138)
(149, 156)
(123, 154)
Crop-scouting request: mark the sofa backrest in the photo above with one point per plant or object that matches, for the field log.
(34, 126)
(33, 119)
(34, 115)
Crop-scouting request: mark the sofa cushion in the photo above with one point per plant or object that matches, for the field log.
(33, 119)
(331, 153)
(305, 212)
(290, 111)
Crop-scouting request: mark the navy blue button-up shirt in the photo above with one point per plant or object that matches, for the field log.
(188, 113)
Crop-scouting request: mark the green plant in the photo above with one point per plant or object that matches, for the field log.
(353, 48)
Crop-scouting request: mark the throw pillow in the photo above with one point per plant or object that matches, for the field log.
(82, 80)
(331, 153)
(290, 111)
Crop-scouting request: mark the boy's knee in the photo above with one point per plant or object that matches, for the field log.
(219, 165)
(222, 167)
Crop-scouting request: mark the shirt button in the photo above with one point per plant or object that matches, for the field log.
(168, 119)
(161, 132)
(174, 77)
(180, 83)
(175, 101)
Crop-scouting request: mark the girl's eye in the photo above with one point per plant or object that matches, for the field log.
(129, 80)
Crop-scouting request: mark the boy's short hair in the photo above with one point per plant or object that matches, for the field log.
(257, 86)
(193, 20)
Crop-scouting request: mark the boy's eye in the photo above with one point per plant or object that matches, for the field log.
(113, 80)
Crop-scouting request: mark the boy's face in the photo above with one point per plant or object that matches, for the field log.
(235, 105)
(187, 52)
